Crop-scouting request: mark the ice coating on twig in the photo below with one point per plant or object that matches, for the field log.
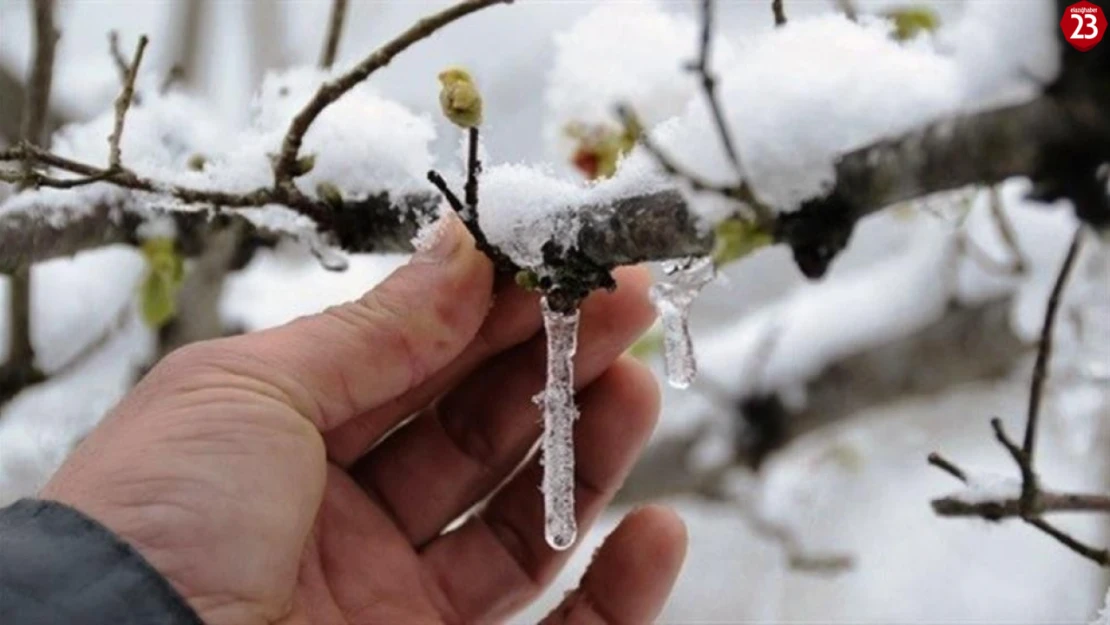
(673, 296)
(559, 415)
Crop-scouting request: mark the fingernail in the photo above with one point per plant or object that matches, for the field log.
(438, 241)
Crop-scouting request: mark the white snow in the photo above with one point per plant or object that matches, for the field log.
(559, 415)
(622, 51)
(984, 487)
(798, 97)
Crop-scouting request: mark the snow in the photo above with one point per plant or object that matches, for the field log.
(985, 487)
(798, 97)
(621, 51)
(523, 207)
(559, 415)
(673, 296)
(1103, 617)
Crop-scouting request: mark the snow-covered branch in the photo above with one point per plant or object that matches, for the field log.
(982, 147)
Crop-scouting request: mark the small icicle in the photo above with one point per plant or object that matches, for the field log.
(559, 414)
(673, 296)
(329, 257)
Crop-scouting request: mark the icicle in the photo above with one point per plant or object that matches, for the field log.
(329, 257)
(673, 297)
(559, 414)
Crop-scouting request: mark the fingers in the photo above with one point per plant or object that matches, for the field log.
(513, 319)
(353, 357)
(632, 573)
(438, 466)
(498, 560)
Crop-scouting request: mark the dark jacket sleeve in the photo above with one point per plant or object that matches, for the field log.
(59, 567)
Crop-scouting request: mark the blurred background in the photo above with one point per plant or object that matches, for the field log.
(798, 457)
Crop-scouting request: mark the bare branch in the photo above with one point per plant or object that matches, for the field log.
(335, 31)
(123, 103)
(1044, 349)
(329, 92)
(1048, 501)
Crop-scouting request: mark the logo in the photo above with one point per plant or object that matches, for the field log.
(1083, 24)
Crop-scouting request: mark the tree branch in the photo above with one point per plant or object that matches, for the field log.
(1048, 501)
(1033, 500)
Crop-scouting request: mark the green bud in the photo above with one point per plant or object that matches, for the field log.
(329, 193)
(196, 162)
(527, 279)
(304, 164)
(911, 20)
(736, 238)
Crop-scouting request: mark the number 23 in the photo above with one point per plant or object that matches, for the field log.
(1091, 21)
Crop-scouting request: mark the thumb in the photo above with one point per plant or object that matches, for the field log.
(353, 357)
(632, 573)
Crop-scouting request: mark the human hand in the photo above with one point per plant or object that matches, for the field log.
(265, 475)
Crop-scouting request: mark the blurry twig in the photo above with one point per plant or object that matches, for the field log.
(20, 371)
(1033, 501)
(335, 31)
(780, 13)
(1006, 230)
(848, 8)
(122, 66)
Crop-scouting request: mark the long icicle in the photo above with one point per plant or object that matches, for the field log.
(559, 415)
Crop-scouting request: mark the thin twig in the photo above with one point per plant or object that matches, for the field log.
(285, 164)
(473, 170)
(709, 87)
(1101, 556)
(947, 466)
(174, 76)
(456, 204)
(1044, 349)
(335, 31)
(780, 13)
(117, 57)
(123, 103)
(741, 193)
